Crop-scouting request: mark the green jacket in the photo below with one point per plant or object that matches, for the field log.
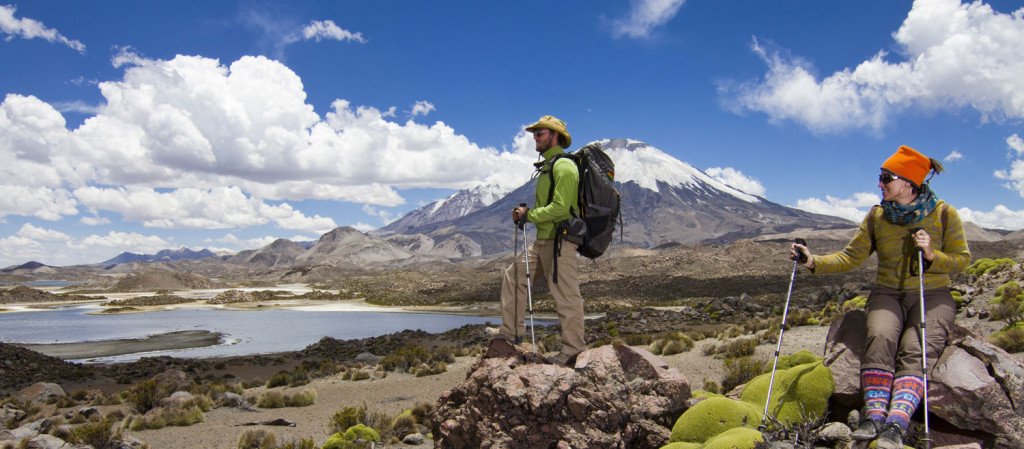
(895, 249)
(547, 215)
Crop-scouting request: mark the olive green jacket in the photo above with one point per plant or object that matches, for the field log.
(895, 250)
(545, 216)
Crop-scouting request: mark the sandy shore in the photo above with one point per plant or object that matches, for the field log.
(108, 348)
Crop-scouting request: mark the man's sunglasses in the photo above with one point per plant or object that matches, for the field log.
(886, 178)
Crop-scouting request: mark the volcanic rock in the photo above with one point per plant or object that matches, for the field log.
(975, 389)
(614, 396)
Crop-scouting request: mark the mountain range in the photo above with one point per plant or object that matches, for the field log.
(665, 202)
(162, 256)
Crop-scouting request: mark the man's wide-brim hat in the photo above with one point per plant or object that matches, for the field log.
(554, 124)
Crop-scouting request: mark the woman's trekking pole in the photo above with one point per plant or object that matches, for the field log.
(798, 259)
(529, 289)
(924, 342)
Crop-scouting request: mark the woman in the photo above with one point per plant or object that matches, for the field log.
(910, 217)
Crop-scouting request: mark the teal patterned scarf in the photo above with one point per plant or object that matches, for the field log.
(914, 212)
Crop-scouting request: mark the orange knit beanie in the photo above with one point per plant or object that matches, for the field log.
(908, 164)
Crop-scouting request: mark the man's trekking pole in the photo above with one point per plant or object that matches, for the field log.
(798, 259)
(924, 342)
(529, 288)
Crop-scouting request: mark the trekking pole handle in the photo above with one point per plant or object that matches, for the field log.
(800, 257)
(915, 231)
(521, 222)
(918, 252)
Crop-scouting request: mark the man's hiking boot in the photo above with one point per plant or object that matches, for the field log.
(562, 359)
(496, 333)
(867, 429)
(891, 437)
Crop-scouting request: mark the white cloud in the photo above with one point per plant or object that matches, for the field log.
(422, 108)
(16, 250)
(117, 240)
(30, 29)
(1000, 217)
(224, 207)
(644, 16)
(363, 227)
(326, 29)
(192, 143)
(1015, 175)
(852, 209)
(94, 221)
(953, 156)
(1016, 144)
(40, 202)
(953, 56)
(735, 178)
(36, 233)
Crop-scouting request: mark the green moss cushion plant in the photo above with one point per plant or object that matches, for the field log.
(713, 416)
(803, 391)
(738, 438)
(681, 445)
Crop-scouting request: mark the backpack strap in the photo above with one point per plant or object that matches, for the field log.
(872, 214)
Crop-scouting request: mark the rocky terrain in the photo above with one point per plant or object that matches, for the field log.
(713, 293)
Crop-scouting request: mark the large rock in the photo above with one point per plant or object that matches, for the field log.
(615, 396)
(975, 389)
(41, 393)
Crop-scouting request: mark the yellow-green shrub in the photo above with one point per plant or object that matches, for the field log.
(713, 416)
(985, 266)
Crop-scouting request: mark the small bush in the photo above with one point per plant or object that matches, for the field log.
(858, 302)
(1010, 339)
(739, 371)
(144, 395)
(985, 266)
(347, 417)
(361, 432)
(740, 347)
(421, 412)
(429, 370)
(270, 399)
(176, 416)
(99, 435)
(256, 439)
(404, 358)
(673, 343)
(709, 349)
(303, 398)
(305, 443)
(280, 379)
(403, 424)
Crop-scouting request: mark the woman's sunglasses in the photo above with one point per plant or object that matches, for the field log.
(886, 178)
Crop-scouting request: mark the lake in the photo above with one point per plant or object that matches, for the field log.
(246, 332)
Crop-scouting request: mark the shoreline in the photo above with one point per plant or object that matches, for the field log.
(122, 346)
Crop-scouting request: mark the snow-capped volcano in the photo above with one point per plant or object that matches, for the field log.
(646, 166)
(664, 200)
(459, 204)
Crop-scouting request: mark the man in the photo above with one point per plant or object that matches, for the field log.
(550, 207)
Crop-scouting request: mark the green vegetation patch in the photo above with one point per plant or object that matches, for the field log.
(985, 266)
(736, 438)
(1011, 339)
(800, 392)
(713, 416)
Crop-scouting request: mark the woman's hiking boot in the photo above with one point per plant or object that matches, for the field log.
(891, 437)
(867, 429)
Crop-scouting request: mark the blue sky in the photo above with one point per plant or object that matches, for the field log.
(140, 126)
